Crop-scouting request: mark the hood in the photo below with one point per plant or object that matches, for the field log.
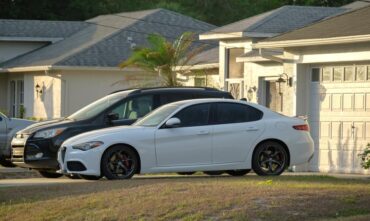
(97, 134)
(49, 124)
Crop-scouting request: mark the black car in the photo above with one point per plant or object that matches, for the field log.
(36, 146)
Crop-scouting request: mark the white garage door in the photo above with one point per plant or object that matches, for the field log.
(340, 117)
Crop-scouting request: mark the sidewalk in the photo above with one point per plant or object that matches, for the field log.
(336, 175)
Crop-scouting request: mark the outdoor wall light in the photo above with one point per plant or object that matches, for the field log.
(287, 79)
(38, 90)
(250, 92)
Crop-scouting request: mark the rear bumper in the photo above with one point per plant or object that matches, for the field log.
(302, 151)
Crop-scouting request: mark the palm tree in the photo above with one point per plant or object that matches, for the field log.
(164, 57)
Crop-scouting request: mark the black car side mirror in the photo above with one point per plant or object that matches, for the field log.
(112, 116)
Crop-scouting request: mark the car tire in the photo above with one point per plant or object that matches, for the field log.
(6, 163)
(238, 172)
(119, 162)
(89, 177)
(48, 174)
(185, 173)
(213, 173)
(270, 159)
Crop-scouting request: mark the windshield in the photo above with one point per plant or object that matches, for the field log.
(156, 117)
(97, 107)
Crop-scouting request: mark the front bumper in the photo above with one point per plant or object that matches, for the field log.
(72, 161)
(32, 154)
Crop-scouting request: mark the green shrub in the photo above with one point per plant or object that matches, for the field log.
(365, 157)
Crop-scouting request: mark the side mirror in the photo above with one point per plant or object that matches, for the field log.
(173, 122)
(112, 116)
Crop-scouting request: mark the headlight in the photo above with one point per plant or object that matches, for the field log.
(49, 133)
(87, 145)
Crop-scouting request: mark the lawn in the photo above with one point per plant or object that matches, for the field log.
(192, 198)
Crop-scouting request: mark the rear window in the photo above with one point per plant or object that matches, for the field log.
(227, 113)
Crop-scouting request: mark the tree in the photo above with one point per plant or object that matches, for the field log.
(165, 57)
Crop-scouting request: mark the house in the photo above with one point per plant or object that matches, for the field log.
(235, 43)
(329, 64)
(50, 69)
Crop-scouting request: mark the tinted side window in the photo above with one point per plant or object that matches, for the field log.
(196, 115)
(227, 113)
(173, 97)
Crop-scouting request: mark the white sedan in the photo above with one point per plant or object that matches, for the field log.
(195, 135)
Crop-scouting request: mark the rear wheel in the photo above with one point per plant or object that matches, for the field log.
(48, 174)
(270, 159)
(185, 173)
(119, 162)
(6, 163)
(213, 173)
(238, 172)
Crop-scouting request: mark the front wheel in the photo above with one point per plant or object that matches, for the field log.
(119, 162)
(269, 159)
(48, 174)
(6, 163)
(238, 172)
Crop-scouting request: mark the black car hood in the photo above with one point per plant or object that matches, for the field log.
(49, 124)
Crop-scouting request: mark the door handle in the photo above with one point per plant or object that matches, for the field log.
(252, 129)
(203, 132)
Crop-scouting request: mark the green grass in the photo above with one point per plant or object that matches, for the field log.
(192, 198)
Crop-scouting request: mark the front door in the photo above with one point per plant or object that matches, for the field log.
(17, 98)
(190, 143)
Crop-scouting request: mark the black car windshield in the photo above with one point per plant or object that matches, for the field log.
(154, 118)
(98, 106)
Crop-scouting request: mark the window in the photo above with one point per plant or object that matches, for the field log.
(199, 82)
(173, 97)
(227, 113)
(326, 74)
(234, 69)
(360, 73)
(196, 115)
(348, 74)
(315, 77)
(134, 108)
(337, 74)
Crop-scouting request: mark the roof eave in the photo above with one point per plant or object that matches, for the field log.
(312, 42)
(233, 35)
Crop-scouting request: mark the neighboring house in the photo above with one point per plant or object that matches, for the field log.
(236, 39)
(329, 63)
(53, 68)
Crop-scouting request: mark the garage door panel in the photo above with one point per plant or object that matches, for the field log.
(341, 126)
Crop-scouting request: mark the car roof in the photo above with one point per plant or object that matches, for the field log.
(168, 89)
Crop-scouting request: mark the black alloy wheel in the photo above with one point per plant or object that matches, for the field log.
(270, 159)
(119, 162)
(48, 174)
(238, 172)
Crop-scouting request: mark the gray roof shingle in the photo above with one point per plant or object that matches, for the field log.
(108, 39)
(39, 29)
(280, 20)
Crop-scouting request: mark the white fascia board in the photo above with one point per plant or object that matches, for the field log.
(312, 42)
(213, 36)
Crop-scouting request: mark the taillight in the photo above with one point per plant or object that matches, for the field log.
(304, 127)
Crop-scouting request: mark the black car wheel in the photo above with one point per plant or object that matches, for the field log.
(119, 162)
(185, 173)
(6, 163)
(48, 174)
(213, 173)
(270, 159)
(238, 172)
